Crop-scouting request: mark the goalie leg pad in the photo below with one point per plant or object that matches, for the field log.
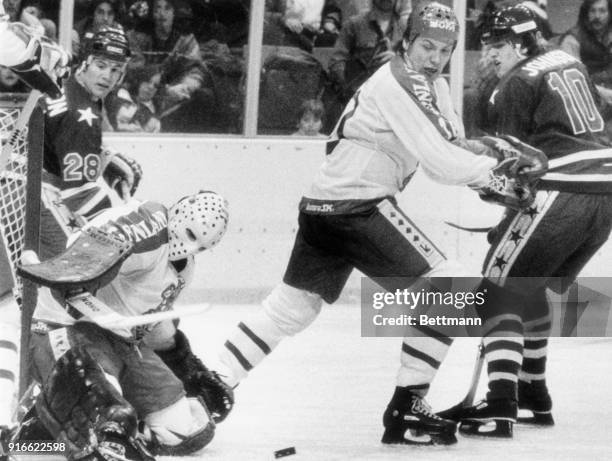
(80, 407)
(180, 429)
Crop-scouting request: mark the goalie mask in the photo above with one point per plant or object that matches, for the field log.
(196, 223)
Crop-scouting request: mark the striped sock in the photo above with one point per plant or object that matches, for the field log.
(503, 344)
(422, 353)
(247, 346)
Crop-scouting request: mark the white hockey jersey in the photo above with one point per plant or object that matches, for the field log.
(395, 121)
(147, 281)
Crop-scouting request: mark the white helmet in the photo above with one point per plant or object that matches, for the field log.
(196, 223)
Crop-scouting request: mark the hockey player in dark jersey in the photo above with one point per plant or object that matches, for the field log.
(75, 163)
(548, 100)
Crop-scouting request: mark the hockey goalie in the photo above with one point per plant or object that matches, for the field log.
(98, 382)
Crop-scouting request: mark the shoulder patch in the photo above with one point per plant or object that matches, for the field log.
(57, 106)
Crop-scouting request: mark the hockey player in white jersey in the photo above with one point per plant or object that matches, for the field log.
(400, 118)
(77, 362)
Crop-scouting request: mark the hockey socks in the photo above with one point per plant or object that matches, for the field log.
(285, 312)
(423, 350)
(247, 346)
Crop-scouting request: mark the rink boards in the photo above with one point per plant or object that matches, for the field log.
(264, 179)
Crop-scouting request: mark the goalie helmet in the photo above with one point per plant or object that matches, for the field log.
(196, 223)
(108, 42)
(516, 24)
(432, 20)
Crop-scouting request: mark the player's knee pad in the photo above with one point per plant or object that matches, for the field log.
(179, 429)
(80, 407)
(292, 309)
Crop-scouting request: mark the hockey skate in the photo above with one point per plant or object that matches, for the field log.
(488, 418)
(410, 421)
(535, 399)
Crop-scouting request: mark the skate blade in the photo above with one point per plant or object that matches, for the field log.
(530, 418)
(495, 428)
(415, 437)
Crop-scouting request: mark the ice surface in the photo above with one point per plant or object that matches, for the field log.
(324, 392)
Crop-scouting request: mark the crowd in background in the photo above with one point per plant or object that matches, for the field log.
(187, 72)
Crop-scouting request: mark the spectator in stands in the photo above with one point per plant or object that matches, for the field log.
(35, 9)
(143, 85)
(331, 23)
(171, 34)
(366, 42)
(171, 43)
(296, 26)
(101, 13)
(311, 119)
(12, 8)
(125, 112)
(590, 40)
(10, 83)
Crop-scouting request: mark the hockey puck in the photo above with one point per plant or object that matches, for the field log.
(284, 452)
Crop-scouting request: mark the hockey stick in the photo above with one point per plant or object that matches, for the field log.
(468, 229)
(468, 400)
(96, 311)
(455, 411)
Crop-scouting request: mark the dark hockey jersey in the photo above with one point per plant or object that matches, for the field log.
(550, 102)
(72, 148)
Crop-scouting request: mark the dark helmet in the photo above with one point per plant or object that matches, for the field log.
(433, 20)
(108, 42)
(515, 23)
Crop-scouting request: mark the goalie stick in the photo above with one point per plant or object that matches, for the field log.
(469, 229)
(96, 311)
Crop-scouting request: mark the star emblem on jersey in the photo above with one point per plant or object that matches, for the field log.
(531, 212)
(500, 262)
(515, 236)
(86, 115)
(73, 224)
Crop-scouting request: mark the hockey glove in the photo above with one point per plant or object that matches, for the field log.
(122, 173)
(503, 189)
(36, 60)
(529, 163)
(81, 408)
(198, 380)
